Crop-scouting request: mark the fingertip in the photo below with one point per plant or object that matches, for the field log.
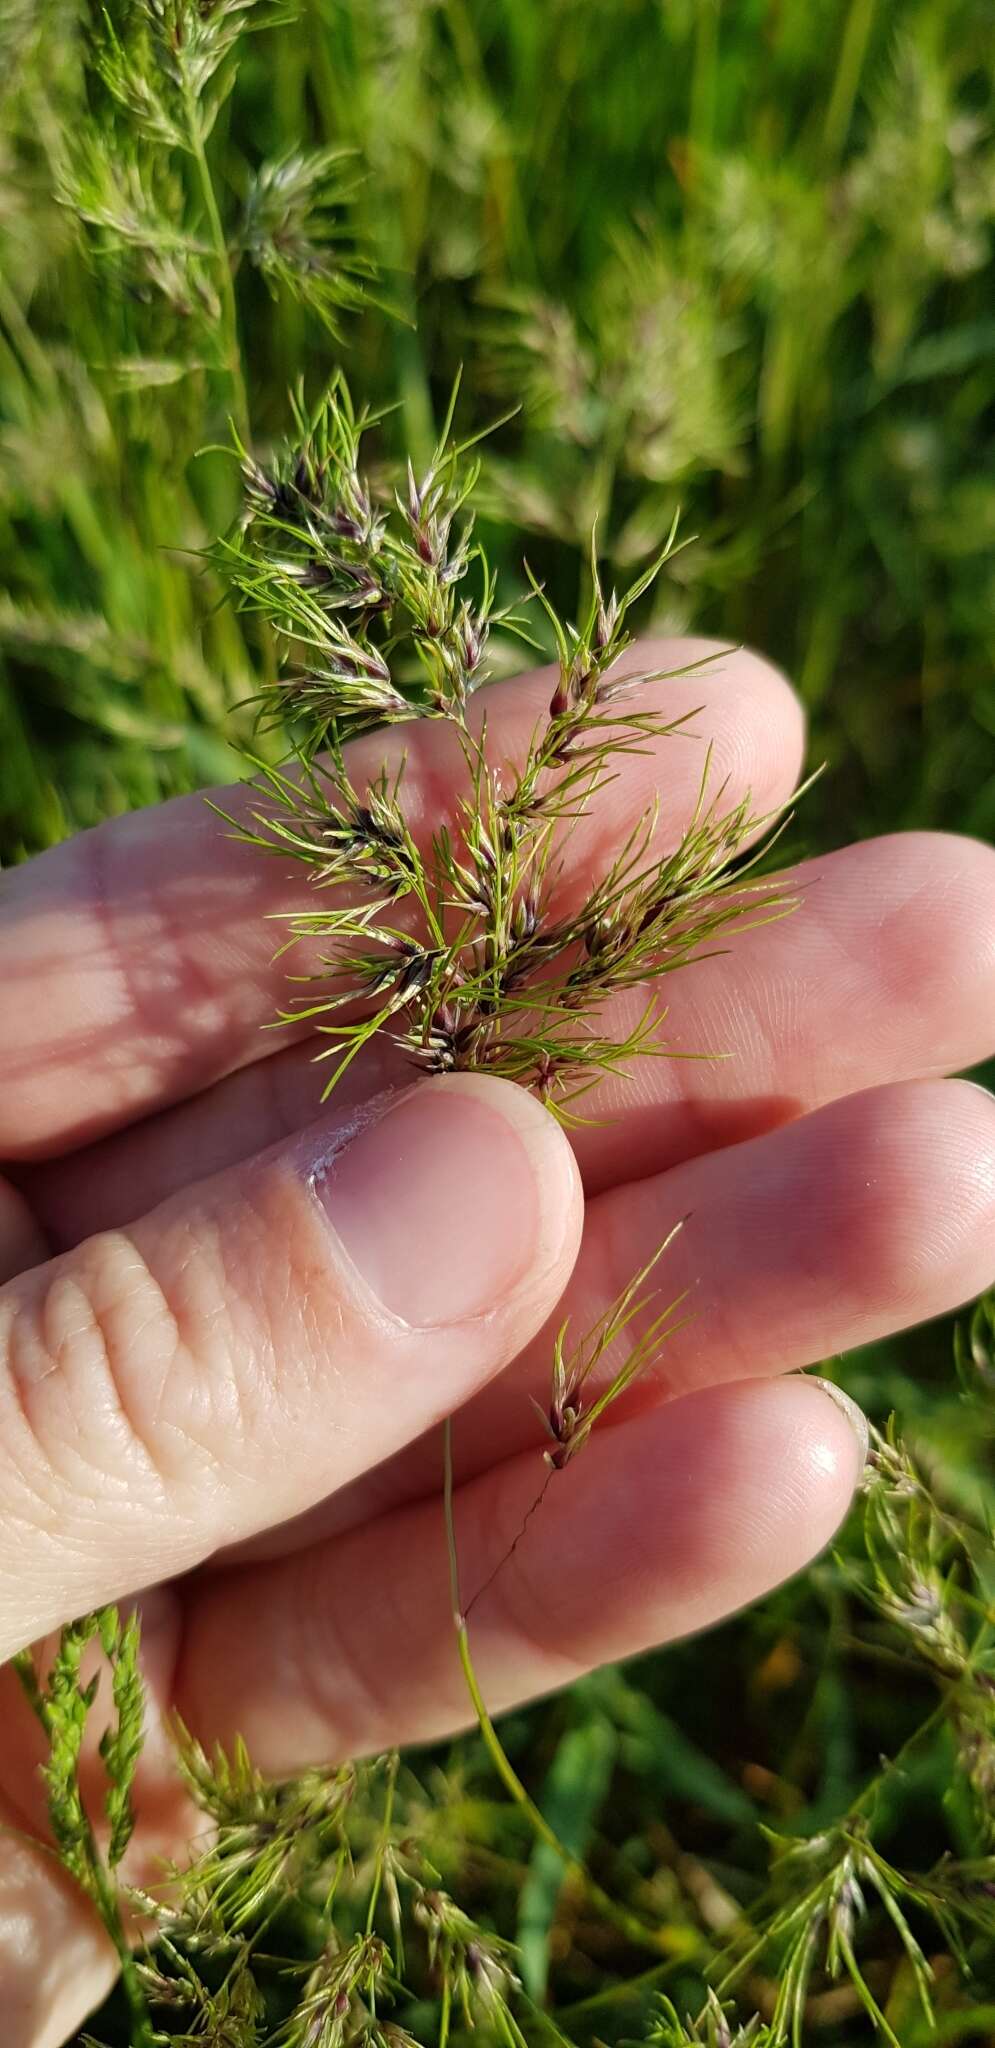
(852, 1414)
(679, 1516)
(971, 1111)
(833, 1445)
(759, 719)
(921, 1164)
(666, 1524)
(978, 1105)
(781, 1459)
(784, 1458)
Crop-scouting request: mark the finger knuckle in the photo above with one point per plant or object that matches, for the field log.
(91, 1342)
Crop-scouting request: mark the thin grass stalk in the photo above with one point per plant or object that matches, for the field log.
(635, 1930)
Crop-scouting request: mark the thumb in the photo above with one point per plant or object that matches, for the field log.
(268, 1334)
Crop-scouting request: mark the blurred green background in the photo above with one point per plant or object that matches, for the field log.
(728, 256)
(736, 259)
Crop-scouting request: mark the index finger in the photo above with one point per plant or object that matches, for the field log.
(138, 959)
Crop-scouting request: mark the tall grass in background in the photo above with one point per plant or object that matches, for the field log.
(732, 260)
(729, 260)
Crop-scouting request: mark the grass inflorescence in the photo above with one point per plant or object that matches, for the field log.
(463, 945)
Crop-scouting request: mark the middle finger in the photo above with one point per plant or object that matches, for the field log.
(864, 1218)
(885, 972)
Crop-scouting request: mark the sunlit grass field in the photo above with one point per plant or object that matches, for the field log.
(731, 261)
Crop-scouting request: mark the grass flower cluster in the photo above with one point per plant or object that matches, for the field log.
(466, 951)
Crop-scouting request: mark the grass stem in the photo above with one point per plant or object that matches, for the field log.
(226, 283)
(628, 1924)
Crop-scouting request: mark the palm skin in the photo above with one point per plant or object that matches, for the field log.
(232, 1321)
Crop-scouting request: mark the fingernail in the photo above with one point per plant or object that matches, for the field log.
(848, 1407)
(437, 1202)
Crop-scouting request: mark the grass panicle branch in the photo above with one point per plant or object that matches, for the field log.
(463, 945)
(628, 1924)
(63, 1701)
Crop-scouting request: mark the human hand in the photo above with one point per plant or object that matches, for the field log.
(233, 1321)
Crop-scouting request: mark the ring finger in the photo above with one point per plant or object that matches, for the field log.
(798, 1245)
